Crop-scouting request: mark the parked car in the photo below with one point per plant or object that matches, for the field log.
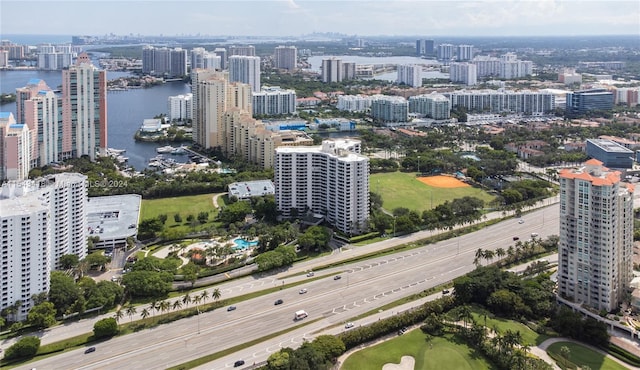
(279, 301)
(90, 349)
(348, 325)
(231, 308)
(238, 363)
(445, 291)
(337, 277)
(303, 291)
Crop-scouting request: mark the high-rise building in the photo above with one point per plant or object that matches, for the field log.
(409, 74)
(43, 115)
(424, 47)
(178, 64)
(41, 220)
(534, 103)
(581, 102)
(348, 71)
(463, 73)
(433, 105)
(202, 59)
(331, 180)
(180, 107)
(243, 50)
(331, 70)
(84, 109)
(596, 236)
(245, 69)
(15, 148)
(222, 53)
(445, 52)
(286, 57)
(273, 101)
(464, 52)
(213, 95)
(148, 59)
(387, 108)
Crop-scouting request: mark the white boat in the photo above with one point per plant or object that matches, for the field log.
(122, 159)
(165, 149)
(180, 150)
(115, 151)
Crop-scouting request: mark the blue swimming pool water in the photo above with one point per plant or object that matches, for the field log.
(243, 244)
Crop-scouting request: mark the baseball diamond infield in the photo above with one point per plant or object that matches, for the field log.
(441, 181)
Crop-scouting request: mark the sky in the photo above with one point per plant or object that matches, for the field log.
(300, 17)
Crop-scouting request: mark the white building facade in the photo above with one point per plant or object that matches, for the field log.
(245, 69)
(409, 74)
(465, 73)
(331, 180)
(274, 101)
(180, 107)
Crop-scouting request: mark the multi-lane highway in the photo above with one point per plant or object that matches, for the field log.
(364, 286)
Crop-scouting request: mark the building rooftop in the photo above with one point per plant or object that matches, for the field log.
(111, 217)
(610, 146)
(248, 189)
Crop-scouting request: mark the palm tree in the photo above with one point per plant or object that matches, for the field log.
(204, 296)
(164, 306)
(177, 305)
(216, 294)
(154, 306)
(197, 300)
(131, 310)
(510, 252)
(145, 313)
(565, 352)
(186, 299)
(489, 254)
(500, 252)
(479, 255)
(119, 314)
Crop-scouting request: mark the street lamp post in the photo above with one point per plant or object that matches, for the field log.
(394, 226)
(418, 165)
(198, 319)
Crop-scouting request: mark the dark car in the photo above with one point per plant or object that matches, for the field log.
(90, 349)
(516, 238)
(337, 277)
(238, 363)
(279, 301)
(445, 291)
(231, 308)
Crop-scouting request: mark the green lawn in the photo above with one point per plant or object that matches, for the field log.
(402, 189)
(437, 353)
(529, 337)
(581, 355)
(187, 205)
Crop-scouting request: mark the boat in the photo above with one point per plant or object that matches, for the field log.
(122, 158)
(115, 151)
(165, 149)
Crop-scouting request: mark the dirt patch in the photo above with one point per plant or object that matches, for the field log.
(442, 181)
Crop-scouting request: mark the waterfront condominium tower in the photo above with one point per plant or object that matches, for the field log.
(596, 236)
(285, 57)
(409, 74)
(84, 109)
(331, 180)
(245, 69)
(213, 95)
(331, 70)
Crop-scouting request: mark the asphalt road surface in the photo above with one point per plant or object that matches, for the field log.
(364, 286)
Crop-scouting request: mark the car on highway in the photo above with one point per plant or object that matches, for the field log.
(337, 277)
(310, 274)
(348, 325)
(238, 363)
(231, 308)
(303, 291)
(279, 301)
(515, 238)
(521, 221)
(89, 350)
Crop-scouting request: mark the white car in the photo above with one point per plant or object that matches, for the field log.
(521, 221)
(348, 325)
(303, 291)
(310, 274)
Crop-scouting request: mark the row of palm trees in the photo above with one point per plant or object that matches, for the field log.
(513, 253)
(166, 306)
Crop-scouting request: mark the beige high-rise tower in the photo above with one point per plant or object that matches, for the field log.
(596, 236)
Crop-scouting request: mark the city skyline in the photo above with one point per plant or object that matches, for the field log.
(299, 17)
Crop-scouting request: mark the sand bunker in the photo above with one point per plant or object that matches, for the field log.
(406, 363)
(443, 181)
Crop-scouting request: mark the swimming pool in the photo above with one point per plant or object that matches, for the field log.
(242, 244)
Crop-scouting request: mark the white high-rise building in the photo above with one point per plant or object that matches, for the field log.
(354, 103)
(245, 69)
(42, 114)
(433, 105)
(445, 52)
(596, 236)
(331, 180)
(40, 221)
(285, 57)
(180, 107)
(387, 108)
(409, 74)
(464, 53)
(203, 59)
(274, 100)
(332, 70)
(465, 73)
